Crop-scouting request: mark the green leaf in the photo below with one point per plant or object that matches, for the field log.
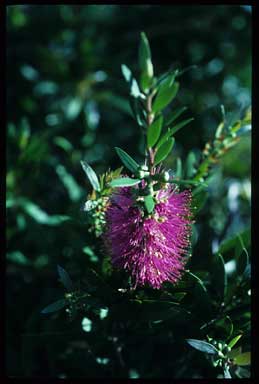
(242, 257)
(235, 352)
(219, 276)
(154, 131)
(166, 93)
(73, 189)
(247, 272)
(56, 306)
(127, 160)
(164, 150)
(91, 176)
(232, 242)
(163, 139)
(18, 257)
(173, 115)
(124, 182)
(134, 89)
(145, 62)
(126, 73)
(202, 346)
(233, 342)
(198, 280)
(180, 125)
(149, 203)
(243, 359)
(65, 278)
(39, 215)
(179, 168)
(190, 182)
(171, 131)
(227, 374)
(199, 198)
(137, 111)
(190, 161)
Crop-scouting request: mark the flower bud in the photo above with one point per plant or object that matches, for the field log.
(141, 174)
(144, 167)
(166, 176)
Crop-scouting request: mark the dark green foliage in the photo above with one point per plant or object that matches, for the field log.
(67, 101)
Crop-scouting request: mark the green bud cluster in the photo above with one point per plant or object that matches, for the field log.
(143, 172)
(225, 138)
(96, 214)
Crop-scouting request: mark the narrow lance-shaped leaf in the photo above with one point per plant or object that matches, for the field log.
(65, 278)
(178, 172)
(56, 306)
(172, 131)
(165, 95)
(134, 89)
(91, 176)
(190, 161)
(137, 111)
(154, 131)
(233, 342)
(181, 125)
(126, 72)
(202, 346)
(218, 275)
(227, 374)
(190, 182)
(164, 151)
(173, 115)
(234, 352)
(133, 85)
(127, 160)
(145, 62)
(124, 182)
(149, 203)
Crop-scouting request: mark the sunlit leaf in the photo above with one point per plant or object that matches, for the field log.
(233, 342)
(145, 62)
(91, 176)
(243, 359)
(227, 374)
(202, 346)
(126, 72)
(124, 182)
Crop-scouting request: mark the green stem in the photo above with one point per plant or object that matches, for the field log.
(150, 119)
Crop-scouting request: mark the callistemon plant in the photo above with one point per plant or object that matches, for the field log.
(146, 220)
(142, 216)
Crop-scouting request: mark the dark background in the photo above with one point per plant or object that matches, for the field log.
(67, 101)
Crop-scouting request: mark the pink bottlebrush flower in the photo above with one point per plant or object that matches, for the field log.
(151, 247)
